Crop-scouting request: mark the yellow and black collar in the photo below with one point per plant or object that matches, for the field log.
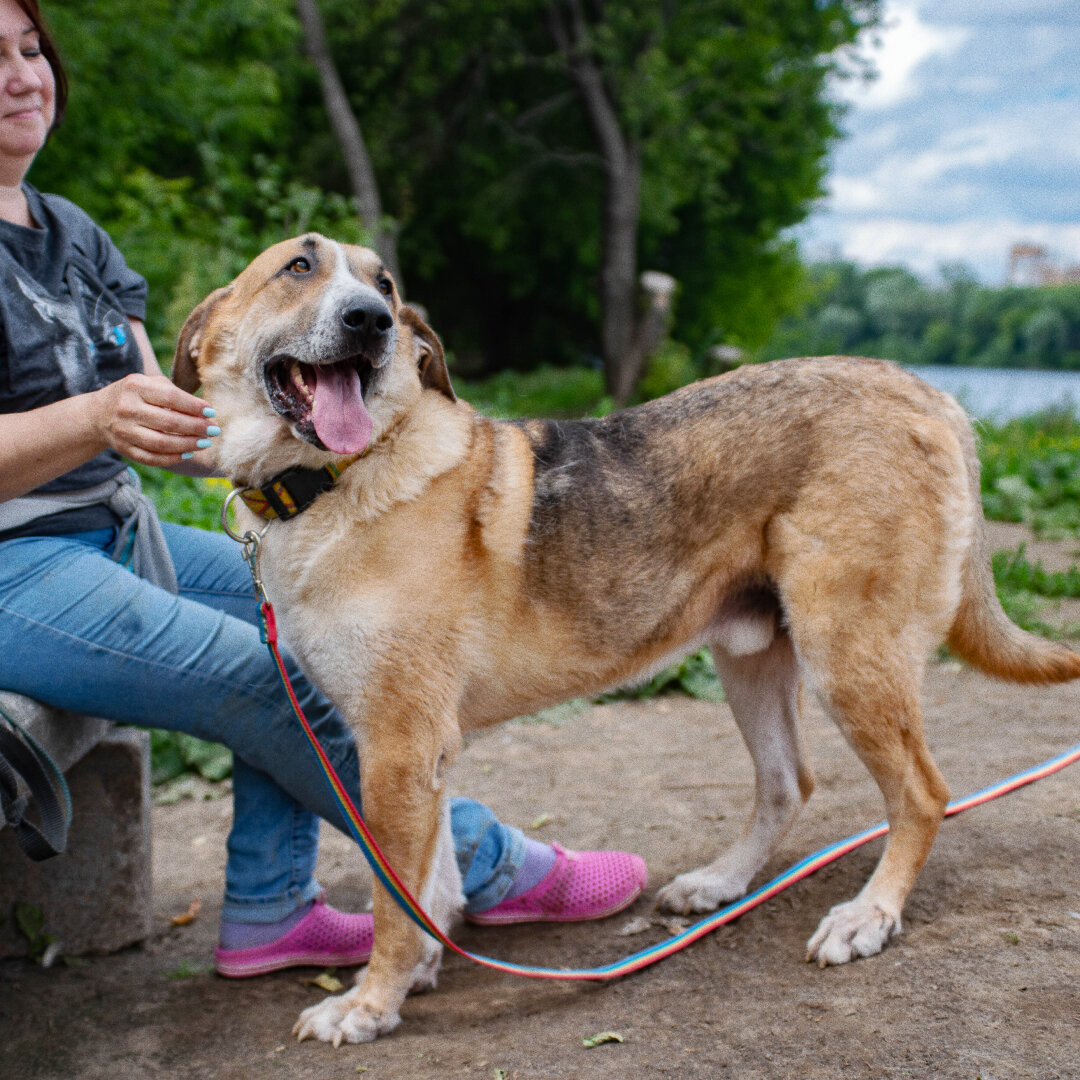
(291, 492)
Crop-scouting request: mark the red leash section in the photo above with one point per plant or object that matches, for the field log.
(393, 884)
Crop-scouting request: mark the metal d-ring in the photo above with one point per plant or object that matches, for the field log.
(241, 538)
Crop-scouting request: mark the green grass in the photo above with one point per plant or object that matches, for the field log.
(1013, 571)
(1031, 473)
(555, 392)
(184, 499)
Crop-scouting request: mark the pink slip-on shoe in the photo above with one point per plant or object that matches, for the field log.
(583, 885)
(324, 937)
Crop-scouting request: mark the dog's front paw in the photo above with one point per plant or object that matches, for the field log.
(699, 891)
(857, 928)
(345, 1018)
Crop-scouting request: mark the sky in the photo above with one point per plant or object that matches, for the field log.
(966, 143)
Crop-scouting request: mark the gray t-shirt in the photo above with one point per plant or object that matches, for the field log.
(64, 306)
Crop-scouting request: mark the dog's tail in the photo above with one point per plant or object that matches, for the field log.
(982, 633)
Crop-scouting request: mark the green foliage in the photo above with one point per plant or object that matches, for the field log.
(185, 500)
(188, 969)
(695, 675)
(31, 923)
(554, 392)
(723, 102)
(173, 753)
(1024, 607)
(670, 367)
(184, 139)
(1031, 473)
(889, 313)
(197, 135)
(1012, 570)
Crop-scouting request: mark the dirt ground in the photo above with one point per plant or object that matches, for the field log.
(984, 982)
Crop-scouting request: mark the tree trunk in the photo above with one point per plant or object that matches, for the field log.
(626, 340)
(347, 130)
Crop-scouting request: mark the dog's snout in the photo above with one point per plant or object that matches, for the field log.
(367, 315)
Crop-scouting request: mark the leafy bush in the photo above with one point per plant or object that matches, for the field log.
(1031, 473)
(555, 392)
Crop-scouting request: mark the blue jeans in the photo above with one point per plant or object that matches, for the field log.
(80, 632)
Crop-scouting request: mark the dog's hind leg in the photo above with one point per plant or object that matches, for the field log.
(875, 702)
(763, 691)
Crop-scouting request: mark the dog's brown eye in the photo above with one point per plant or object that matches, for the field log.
(299, 266)
(385, 286)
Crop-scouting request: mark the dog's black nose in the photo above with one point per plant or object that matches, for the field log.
(367, 315)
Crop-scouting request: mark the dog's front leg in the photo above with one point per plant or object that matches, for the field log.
(405, 805)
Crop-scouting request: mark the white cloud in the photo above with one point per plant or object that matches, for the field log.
(923, 246)
(969, 142)
(914, 177)
(898, 49)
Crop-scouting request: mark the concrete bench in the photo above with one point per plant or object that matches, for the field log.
(95, 897)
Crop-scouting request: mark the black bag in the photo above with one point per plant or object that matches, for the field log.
(22, 757)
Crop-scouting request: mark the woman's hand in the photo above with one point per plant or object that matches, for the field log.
(143, 416)
(149, 420)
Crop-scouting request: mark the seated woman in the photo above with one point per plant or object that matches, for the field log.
(175, 644)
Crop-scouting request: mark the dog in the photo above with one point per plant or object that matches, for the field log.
(815, 522)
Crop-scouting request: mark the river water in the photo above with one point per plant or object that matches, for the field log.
(1002, 393)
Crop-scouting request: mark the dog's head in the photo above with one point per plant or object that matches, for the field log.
(308, 354)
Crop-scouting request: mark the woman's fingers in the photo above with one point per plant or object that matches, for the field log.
(154, 422)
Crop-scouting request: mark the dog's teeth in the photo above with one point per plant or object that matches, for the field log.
(298, 381)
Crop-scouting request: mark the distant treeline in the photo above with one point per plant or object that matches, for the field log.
(890, 313)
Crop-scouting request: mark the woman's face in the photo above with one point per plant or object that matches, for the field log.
(27, 93)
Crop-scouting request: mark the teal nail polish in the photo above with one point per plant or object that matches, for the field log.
(203, 444)
(213, 429)
(187, 454)
(208, 412)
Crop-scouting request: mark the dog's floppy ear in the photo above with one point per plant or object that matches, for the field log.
(185, 370)
(430, 357)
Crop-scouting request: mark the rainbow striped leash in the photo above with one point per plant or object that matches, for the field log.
(812, 863)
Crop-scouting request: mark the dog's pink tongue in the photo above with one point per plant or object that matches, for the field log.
(341, 418)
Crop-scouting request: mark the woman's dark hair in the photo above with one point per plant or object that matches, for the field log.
(48, 50)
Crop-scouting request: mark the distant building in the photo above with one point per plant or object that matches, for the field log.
(1032, 265)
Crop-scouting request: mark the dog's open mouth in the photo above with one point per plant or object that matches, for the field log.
(324, 401)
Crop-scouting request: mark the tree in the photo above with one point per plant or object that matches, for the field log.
(508, 139)
(343, 121)
(682, 135)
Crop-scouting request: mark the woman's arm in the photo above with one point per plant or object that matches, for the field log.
(143, 417)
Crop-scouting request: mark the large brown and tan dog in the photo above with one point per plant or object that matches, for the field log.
(814, 522)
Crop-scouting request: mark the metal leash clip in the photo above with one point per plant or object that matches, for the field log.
(251, 541)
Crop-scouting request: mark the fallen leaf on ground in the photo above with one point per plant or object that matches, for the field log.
(672, 924)
(603, 1037)
(326, 980)
(637, 925)
(190, 915)
(540, 822)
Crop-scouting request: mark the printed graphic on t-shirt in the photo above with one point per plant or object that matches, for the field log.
(74, 351)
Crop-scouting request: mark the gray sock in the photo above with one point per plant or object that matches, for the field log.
(241, 935)
(539, 862)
